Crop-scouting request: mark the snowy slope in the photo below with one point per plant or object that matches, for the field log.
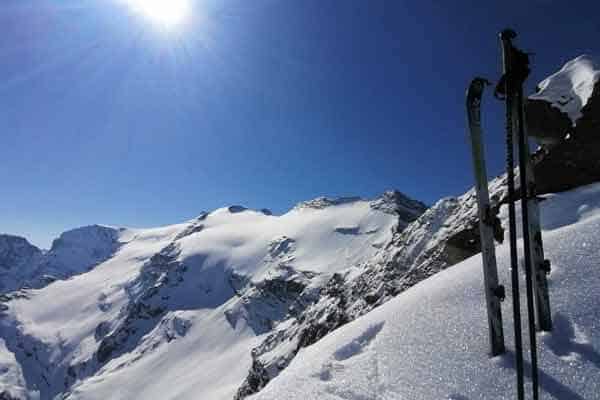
(182, 304)
(570, 88)
(430, 342)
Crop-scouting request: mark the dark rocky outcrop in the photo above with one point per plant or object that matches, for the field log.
(19, 261)
(16, 252)
(397, 203)
(570, 154)
(546, 123)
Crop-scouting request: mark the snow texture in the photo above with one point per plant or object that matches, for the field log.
(570, 88)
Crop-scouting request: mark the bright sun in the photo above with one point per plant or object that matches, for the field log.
(168, 13)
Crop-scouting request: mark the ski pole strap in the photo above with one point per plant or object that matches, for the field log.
(518, 69)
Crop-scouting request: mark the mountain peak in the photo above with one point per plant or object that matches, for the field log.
(324, 202)
(15, 251)
(396, 202)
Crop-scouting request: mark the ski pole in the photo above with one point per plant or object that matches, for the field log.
(505, 86)
(520, 73)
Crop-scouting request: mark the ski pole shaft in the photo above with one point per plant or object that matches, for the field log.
(505, 38)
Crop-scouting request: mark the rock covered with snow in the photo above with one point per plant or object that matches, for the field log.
(395, 202)
(323, 202)
(23, 265)
(564, 117)
(392, 202)
(18, 261)
(570, 89)
(80, 249)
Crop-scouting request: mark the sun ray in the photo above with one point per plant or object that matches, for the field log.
(167, 13)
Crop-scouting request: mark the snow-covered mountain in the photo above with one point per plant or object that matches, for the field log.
(221, 305)
(431, 342)
(195, 297)
(18, 262)
(75, 251)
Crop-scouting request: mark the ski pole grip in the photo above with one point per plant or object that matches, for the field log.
(508, 34)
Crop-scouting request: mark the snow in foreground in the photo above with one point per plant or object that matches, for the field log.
(431, 341)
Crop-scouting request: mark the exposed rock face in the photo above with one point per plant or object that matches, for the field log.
(323, 202)
(397, 203)
(262, 304)
(17, 253)
(546, 123)
(575, 159)
(391, 202)
(18, 262)
(564, 117)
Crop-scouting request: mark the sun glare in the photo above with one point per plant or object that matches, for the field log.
(168, 13)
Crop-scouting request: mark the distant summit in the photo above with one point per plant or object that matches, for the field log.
(390, 202)
(395, 202)
(24, 265)
(323, 202)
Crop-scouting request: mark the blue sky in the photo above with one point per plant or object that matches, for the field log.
(108, 118)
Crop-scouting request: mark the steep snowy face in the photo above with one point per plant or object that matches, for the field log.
(80, 249)
(17, 253)
(395, 202)
(196, 297)
(570, 88)
(18, 261)
(445, 234)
